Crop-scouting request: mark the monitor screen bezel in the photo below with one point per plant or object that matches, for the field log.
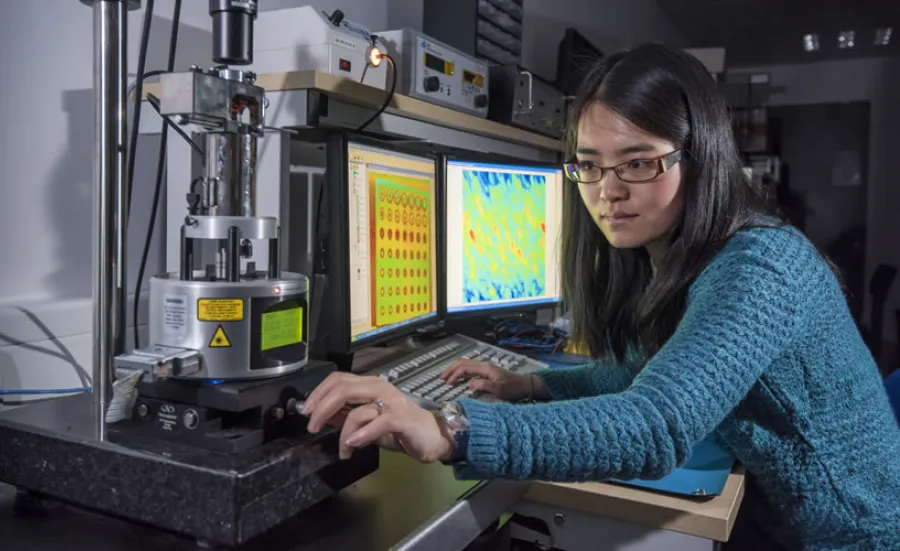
(501, 309)
(340, 341)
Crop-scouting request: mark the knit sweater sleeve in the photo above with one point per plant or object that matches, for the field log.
(592, 379)
(743, 311)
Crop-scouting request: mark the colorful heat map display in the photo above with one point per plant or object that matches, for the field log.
(504, 235)
(401, 245)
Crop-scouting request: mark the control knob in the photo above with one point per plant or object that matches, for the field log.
(432, 84)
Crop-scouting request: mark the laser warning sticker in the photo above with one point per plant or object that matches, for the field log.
(220, 309)
(219, 339)
(281, 328)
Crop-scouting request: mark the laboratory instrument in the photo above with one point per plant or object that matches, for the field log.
(521, 98)
(437, 73)
(307, 39)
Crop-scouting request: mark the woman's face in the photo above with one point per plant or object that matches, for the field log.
(629, 214)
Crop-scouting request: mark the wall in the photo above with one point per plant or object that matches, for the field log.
(609, 24)
(878, 82)
(46, 214)
(373, 14)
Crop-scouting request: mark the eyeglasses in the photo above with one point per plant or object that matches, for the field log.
(635, 171)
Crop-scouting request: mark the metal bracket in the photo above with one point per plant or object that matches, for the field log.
(160, 362)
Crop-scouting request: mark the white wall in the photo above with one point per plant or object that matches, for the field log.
(372, 14)
(878, 82)
(46, 212)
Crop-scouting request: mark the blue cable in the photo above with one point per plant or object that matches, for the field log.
(32, 392)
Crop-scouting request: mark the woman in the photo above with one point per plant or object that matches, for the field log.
(709, 317)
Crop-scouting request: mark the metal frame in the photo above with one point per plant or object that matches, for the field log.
(460, 524)
(109, 291)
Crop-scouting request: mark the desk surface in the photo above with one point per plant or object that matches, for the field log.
(375, 514)
(362, 94)
(709, 518)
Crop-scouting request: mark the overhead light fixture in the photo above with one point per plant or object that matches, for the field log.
(811, 42)
(883, 36)
(846, 39)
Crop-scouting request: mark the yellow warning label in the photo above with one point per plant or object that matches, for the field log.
(219, 339)
(220, 309)
(281, 328)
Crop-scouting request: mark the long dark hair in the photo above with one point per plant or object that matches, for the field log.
(613, 298)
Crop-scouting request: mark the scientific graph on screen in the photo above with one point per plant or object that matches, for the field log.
(402, 213)
(392, 246)
(503, 231)
(505, 228)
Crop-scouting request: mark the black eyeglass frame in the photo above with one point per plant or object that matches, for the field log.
(663, 163)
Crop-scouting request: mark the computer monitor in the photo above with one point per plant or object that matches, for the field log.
(392, 260)
(502, 237)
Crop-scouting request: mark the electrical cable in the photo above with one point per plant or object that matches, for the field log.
(390, 95)
(160, 168)
(35, 392)
(139, 91)
(154, 102)
(133, 88)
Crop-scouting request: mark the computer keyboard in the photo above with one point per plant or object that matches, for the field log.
(418, 374)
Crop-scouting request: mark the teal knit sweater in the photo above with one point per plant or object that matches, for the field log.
(766, 356)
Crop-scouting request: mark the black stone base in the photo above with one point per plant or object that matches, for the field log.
(53, 448)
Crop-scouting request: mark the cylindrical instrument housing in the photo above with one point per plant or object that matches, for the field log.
(231, 174)
(233, 31)
(250, 329)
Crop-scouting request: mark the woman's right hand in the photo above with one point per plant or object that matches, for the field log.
(490, 379)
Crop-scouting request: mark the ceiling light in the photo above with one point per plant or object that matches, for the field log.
(883, 36)
(846, 39)
(810, 42)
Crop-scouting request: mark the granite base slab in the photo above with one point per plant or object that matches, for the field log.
(55, 448)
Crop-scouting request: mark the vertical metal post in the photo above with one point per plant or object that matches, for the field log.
(123, 187)
(110, 199)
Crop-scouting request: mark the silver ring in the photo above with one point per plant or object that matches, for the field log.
(380, 405)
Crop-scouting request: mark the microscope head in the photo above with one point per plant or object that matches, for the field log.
(233, 31)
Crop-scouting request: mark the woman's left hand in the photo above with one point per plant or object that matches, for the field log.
(384, 416)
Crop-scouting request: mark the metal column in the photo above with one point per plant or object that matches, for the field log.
(110, 200)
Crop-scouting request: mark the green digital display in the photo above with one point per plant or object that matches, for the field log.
(281, 328)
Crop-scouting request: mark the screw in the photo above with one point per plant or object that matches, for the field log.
(143, 411)
(277, 413)
(559, 519)
(191, 419)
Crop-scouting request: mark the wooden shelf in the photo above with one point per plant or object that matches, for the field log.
(708, 518)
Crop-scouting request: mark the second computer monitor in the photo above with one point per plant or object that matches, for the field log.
(502, 231)
(392, 255)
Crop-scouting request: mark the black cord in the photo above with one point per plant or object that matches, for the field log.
(160, 167)
(138, 93)
(154, 102)
(390, 96)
